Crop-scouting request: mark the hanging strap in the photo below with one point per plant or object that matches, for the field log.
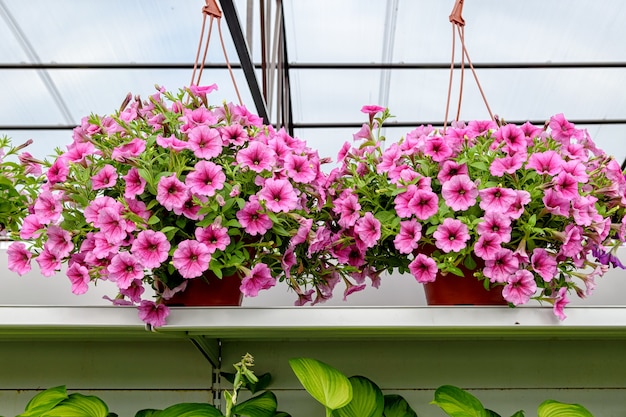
(211, 9)
(458, 26)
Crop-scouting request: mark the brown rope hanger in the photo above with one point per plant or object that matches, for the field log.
(458, 26)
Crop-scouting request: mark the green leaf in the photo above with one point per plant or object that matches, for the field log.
(520, 413)
(153, 220)
(79, 405)
(551, 408)
(282, 414)
(323, 382)
(367, 400)
(396, 406)
(263, 405)
(44, 401)
(458, 403)
(148, 412)
(190, 410)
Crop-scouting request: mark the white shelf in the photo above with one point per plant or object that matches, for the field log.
(315, 322)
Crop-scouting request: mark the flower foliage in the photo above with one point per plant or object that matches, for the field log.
(19, 183)
(537, 211)
(165, 189)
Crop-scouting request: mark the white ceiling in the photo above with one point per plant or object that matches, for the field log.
(321, 32)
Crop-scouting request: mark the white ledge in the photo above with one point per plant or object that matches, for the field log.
(317, 322)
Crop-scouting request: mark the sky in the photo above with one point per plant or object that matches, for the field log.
(321, 31)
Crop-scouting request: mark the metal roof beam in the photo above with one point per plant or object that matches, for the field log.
(234, 26)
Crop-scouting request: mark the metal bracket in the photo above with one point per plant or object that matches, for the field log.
(211, 349)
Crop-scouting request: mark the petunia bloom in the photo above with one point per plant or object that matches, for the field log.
(259, 278)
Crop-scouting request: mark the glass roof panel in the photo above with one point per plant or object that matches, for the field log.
(324, 32)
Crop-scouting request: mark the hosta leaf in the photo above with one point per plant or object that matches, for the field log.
(323, 382)
(79, 405)
(44, 401)
(148, 413)
(396, 406)
(190, 410)
(367, 399)
(458, 403)
(263, 405)
(551, 408)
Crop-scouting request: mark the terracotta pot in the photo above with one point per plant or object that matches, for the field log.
(209, 290)
(451, 289)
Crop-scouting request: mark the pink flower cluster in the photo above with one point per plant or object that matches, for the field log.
(170, 188)
(535, 205)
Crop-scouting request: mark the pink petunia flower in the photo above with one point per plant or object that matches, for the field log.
(451, 235)
(502, 266)
(562, 130)
(300, 168)
(214, 236)
(507, 164)
(171, 142)
(234, 135)
(191, 258)
(134, 183)
(105, 178)
(206, 178)
(253, 220)
(259, 278)
(547, 163)
(79, 278)
(410, 233)
(134, 291)
(496, 199)
(566, 185)
(112, 224)
(487, 246)
(202, 91)
(519, 288)
(152, 313)
(58, 171)
(49, 262)
(47, 207)
(19, 258)
(151, 247)
(423, 268)
(171, 192)
(555, 203)
(437, 148)
(125, 268)
(459, 192)
(560, 301)
(31, 227)
(256, 157)
(544, 264)
(92, 211)
(278, 195)
(495, 224)
(372, 109)
(513, 137)
(347, 206)
(129, 150)
(424, 204)
(449, 169)
(59, 241)
(205, 142)
(368, 229)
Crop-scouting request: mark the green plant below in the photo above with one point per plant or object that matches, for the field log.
(341, 396)
(457, 402)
